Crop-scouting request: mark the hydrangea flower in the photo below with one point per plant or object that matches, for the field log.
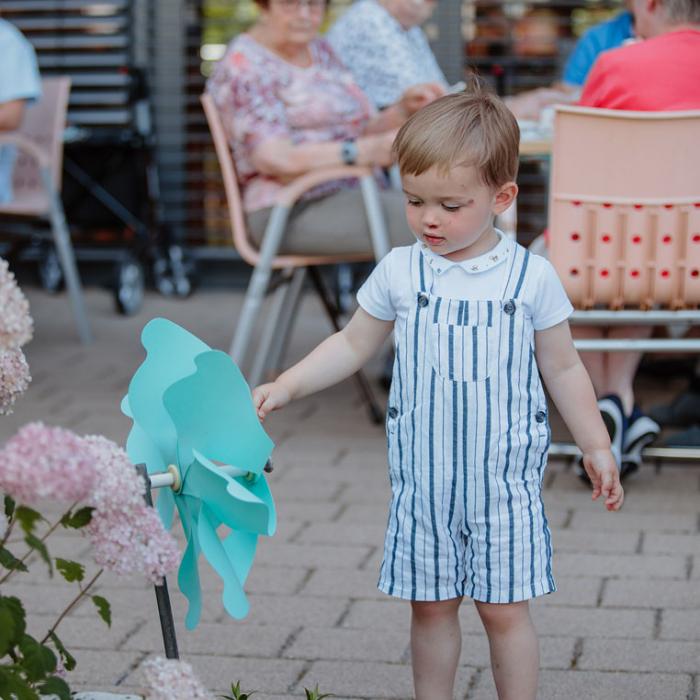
(42, 462)
(14, 377)
(168, 679)
(16, 326)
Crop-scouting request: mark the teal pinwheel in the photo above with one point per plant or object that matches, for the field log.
(193, 415)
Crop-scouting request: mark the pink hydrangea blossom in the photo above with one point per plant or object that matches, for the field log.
(46, 462)
(16, 326)
(14, 377)
(127, 536)
(168, 679)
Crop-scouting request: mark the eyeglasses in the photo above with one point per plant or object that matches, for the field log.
(295, 5)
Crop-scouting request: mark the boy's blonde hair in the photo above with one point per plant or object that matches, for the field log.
(471, 128)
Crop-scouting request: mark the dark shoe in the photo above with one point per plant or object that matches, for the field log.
(640, 432)
(686, 438)
(615, 422)
(683, 411)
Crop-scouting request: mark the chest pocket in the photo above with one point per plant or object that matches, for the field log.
(463, 342)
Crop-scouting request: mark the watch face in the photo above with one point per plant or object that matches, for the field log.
(349, 152)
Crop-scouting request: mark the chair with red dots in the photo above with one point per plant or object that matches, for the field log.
(624, 208)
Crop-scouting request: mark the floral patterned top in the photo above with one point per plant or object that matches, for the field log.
(261, 96)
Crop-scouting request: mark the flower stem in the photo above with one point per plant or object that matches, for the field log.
(44, 537)
(72, 604)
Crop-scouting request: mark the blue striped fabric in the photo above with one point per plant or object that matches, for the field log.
(466, 449)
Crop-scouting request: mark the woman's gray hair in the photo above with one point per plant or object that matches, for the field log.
(682, 11)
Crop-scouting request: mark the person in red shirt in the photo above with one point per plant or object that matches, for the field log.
(660, 73)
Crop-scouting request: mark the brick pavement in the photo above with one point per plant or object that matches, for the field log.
(625, 622)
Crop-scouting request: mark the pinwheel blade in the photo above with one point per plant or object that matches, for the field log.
(188, 573)
(232, 500)
(233, 596)
(170, 354)
(212, 412)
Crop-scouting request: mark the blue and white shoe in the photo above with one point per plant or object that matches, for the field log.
(640, 432)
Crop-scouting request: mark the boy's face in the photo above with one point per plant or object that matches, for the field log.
(452, 213)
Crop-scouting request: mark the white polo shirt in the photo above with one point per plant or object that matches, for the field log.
(388, 292)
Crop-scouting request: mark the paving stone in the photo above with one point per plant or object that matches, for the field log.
(680, 624)
(371, 534)
(341, 556)
(108, 667)
(338, 583)
(572, 591)
(294, 610)
(595, 542)
(590, 685)
(387, 614)
(642, 655)
(227, 638)
(621, 565)
(594, 622)
(349, 645)
(84, 632)
(651, 594)
(372, 680)
(671, 544)
(622, 521)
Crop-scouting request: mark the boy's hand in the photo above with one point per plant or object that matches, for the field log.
(270, 397)
(602, 470)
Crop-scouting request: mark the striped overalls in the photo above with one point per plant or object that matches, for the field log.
(468, 436)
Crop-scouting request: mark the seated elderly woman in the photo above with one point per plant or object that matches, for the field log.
(290, 107)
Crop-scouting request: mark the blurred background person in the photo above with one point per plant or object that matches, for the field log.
(20, 84)
(383, 45)
(290, 107)
(604, 36)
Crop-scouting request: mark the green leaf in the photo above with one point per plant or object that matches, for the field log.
(38, 661)
(78, 519)
(70, 570)
(9, 561)
(315, 694)
(237, 693)
(7, 629)
(35, 543)
(19, 617)
(9, 506)
(27, 518)
(14, 687)
(55, 686)
(103, 609)
(66, 656)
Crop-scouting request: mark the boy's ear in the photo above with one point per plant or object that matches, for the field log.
(504, 197)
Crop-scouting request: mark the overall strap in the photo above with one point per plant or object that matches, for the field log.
(520, 258)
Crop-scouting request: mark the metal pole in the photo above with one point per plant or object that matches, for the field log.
(165, 611)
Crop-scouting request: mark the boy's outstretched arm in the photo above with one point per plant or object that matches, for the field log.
(336, 358)
(571, 390)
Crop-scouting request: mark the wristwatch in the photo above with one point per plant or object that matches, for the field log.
(348, 152)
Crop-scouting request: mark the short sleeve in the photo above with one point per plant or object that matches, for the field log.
(20, 79)
(246, 96)
(374, 296)
(550, 304)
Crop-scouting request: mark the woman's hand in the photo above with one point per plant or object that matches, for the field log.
(418, 96)
(270, 397)
(604, 474)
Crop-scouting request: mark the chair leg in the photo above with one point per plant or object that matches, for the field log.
(286, 321)
(258, 284)
(375, 217)
(376, 413)
(64, 249)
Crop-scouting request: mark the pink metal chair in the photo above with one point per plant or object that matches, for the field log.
(624, 207)
(37, 181)
(294, 267)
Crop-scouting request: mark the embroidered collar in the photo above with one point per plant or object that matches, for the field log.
(481, 263)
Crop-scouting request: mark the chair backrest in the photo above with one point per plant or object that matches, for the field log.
(44, 123)
(228, 171)
(624, 207)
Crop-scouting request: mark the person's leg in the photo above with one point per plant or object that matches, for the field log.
(336, 224)
(436, 642)
(594, 362)
(515, 654)
(621, 367)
